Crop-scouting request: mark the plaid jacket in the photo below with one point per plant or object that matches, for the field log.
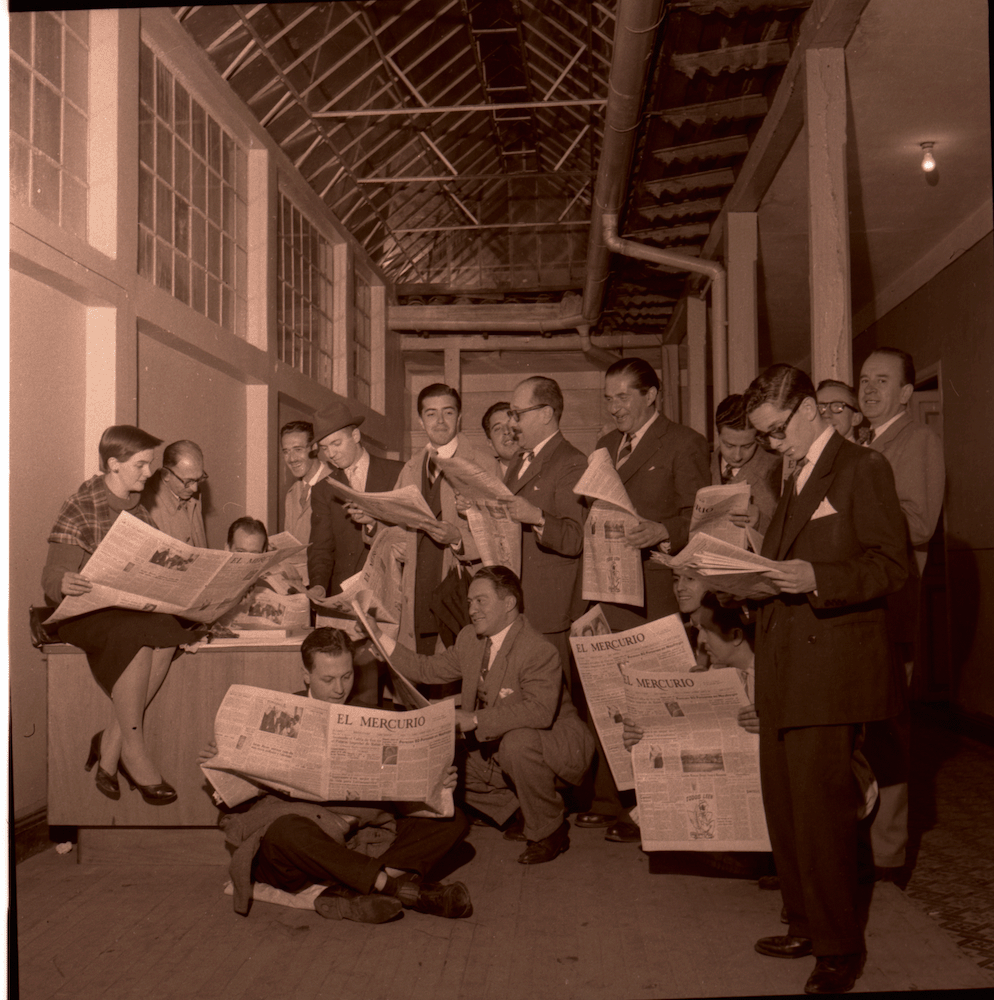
(87, 516)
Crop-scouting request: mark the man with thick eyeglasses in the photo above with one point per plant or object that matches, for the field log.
(837, 404)
(170, 495)
(824, 666)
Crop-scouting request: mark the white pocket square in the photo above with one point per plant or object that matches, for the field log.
(823, 510)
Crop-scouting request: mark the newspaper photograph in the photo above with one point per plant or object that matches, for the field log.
(262, 609)
(696, 769)
(658, 648)
(140, 568)
(728, 568)
(406, 506)
(713, 510)
(321, 752)
(593, 622)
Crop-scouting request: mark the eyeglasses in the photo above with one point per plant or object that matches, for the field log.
(779, 432)
(515, 415)
(836, 407)
(188, 484)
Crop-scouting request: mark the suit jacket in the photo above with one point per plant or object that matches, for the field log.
(915, 456)
(662, 476)
(297, 516)
(764, 474)
(411, 475)
(824, 658)
(524, 690)
(338, 545)
(549, 565)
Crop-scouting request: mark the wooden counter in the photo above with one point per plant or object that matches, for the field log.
(177, 724)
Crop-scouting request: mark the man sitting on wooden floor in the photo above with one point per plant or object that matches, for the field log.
(291, 844)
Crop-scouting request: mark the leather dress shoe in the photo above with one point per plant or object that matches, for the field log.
(835, 973)
(339, 902)
(592, 820)
(784, 946)
(516, 831)
(548, 848)
(770, 882)
(623, 832)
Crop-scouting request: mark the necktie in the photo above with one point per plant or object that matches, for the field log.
(624, 451)
(870, 435)
(796, 474)
(305, 495)
(526, 460)
(432, 470)
(481, 698)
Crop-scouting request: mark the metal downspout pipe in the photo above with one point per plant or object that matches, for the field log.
(681, 262)
(634, 39)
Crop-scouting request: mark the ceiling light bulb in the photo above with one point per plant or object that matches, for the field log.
(928, 160)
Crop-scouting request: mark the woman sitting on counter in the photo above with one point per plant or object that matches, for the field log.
(129, 652)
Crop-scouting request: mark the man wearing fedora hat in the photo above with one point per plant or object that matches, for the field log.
(340, 533)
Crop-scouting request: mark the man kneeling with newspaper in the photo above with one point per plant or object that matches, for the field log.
(292, 844)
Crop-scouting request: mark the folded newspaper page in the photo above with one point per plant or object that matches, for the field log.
(141, 568)
(659, 648)
(321, 752)
(728, 568)
(612, 569)
(285, 577)
(376, 586)
(593, 622)
(713, 510)
(406, 506)
(497, 535)
(410, 697)
(696, 769)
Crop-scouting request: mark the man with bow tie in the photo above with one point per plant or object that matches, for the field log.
(170, 495)
(824, 666)
(438, 560)
(522, 731)
(662, 465)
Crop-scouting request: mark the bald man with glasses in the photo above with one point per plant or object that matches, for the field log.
(171, 494)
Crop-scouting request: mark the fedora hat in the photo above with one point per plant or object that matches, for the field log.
(334, 418)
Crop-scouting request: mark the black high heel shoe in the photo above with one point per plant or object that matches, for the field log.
(105, 782)
(155, 795)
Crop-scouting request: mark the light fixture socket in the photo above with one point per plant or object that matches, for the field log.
(928, 160)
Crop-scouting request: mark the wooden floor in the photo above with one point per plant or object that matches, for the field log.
(592, 924)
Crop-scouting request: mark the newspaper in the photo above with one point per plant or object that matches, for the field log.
(497, 535)
(406, 506)
(658, 648)
(410, 697)
(141, 568)
(696, 769)
(319, 752)
(713, 507)
(728, 568)
(285, 576)
(612, 569)
(376, 586)
(262, 609)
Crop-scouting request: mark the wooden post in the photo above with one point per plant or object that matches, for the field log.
(741, 241)
(828, 215)
(452, 368)
(697, 323)
(670, 381)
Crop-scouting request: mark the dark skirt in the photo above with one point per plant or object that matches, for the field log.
(112, 637)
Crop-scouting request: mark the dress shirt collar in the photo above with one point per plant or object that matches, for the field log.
(358, 472)
(814, 453)
(640, 433)
(446, 451)
(877, 431)
(542, 444)
(170, 501)
(320, 471)
(496, 641)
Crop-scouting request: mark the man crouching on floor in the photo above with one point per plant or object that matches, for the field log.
(292, 844)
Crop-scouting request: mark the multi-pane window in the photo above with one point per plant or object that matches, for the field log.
(362, 342)
(49, 107)
(191, 199)
(305, 295)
